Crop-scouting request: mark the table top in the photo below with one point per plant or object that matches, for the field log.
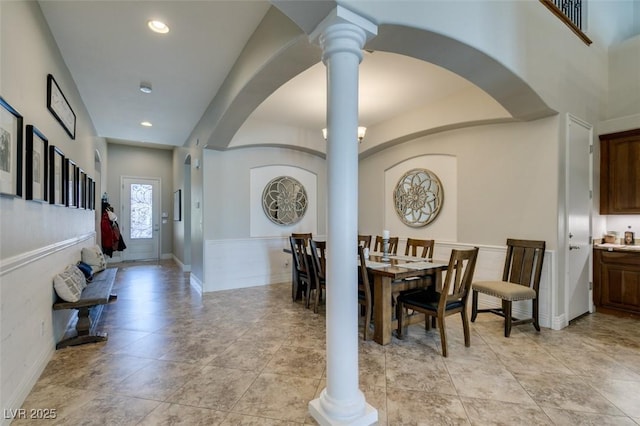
(399, 267)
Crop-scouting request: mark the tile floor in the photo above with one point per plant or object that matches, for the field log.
(252, 357)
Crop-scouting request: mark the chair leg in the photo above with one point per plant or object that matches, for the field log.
(367, 323)
(317, 299)
(443, 334)
(536, 324)
(506, 308)
(465, 327)
(474, 306)
(399, 317)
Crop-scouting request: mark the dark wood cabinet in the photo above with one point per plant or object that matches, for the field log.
(620, 173)
(616, 281)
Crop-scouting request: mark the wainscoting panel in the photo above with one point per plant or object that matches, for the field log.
(250, 262)
(30, 328)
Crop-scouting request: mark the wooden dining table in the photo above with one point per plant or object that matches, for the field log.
(390, 276)
(397, 274)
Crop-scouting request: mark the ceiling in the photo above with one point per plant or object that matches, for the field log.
(187, 66)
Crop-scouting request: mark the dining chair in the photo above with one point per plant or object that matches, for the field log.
(520, 281)
(305, 279)
(364, 241)
(319, 263)
(452, 298)
(364, 293)
(413, 245)
(393, 245)
(306, 236)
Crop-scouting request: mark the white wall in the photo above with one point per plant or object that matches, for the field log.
(232, 205)
(37, 240)
(507, 181)
(227, 205)
(444, 227)
(261, 225)
(135, 161)
(624, 79)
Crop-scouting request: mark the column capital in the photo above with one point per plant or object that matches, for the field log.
(343, 25)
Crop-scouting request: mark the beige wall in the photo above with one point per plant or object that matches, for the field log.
(507, 181)
(227, 204)
(134, 161)
(37, 240)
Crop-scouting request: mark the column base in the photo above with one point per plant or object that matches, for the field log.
(369, 417)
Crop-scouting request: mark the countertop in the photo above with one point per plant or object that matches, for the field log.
(617, 247)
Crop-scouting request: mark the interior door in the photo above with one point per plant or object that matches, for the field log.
(141, 218)
(579, 297)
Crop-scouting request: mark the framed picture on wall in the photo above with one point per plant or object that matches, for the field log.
(71, 187)
(89, 193)
(37, 165)
(10, 150)
(56, 176)
(82, 189)
(177, 205)
(59, 106)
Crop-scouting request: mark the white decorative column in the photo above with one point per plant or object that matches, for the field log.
(342, 36)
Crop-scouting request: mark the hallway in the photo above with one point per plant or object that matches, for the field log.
(252, 357)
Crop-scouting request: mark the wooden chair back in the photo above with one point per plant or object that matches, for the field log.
(393, 245)
(364, 292)
(319, 258)
(299, 252)
(457, 284)
(364, 241)
(414, 244)
(319, 265)
(306, 236)
(523, 263)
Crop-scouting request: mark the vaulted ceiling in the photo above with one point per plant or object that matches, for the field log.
(110, 52)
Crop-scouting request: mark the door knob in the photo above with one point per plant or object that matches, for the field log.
(571, 247)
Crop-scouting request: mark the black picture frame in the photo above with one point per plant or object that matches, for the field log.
(10, 150)
(82, 189)
(177, 205)
(36, 165)
(91, 193)
(59, 106)
(71, 183)
(56, 176)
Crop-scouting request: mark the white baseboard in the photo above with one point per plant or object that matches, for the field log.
(183, 267)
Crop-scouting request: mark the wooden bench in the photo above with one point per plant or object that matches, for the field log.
(96, 294)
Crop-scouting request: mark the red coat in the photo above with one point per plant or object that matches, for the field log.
(109, 241)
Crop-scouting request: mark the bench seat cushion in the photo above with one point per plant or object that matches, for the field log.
(70, 283)
(93, 257)
(504, 290)
(95, 293)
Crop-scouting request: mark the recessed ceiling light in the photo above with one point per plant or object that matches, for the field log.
(146, 124)
(145, 87)
(158, 27)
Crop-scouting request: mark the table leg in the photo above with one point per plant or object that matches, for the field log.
(382, 309)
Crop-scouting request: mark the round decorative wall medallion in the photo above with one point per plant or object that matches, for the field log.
(418, 197)
(284, 200)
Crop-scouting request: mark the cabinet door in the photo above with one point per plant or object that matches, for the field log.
(620, 281)
(620, 173)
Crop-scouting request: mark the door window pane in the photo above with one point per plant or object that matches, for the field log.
(141, 211)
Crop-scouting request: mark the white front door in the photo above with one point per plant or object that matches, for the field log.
(578, 191)
(141, 218)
